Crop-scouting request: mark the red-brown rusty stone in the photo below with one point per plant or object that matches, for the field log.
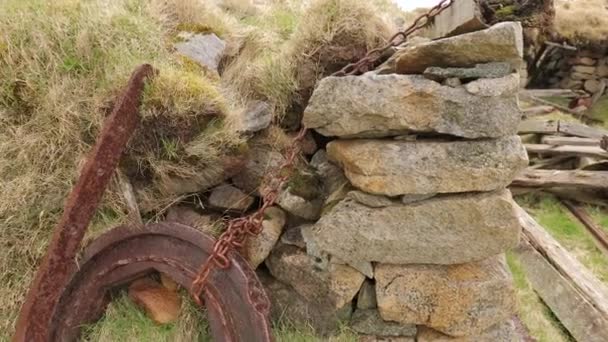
(55, 270)
(237, 306)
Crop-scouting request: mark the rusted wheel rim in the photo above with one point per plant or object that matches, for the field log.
(237, 306)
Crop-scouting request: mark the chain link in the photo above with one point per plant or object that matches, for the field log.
(366, 63)
(239, 229)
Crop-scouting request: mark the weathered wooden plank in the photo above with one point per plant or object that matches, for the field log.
(564, 263)
(556, 178)
(598, 197)
(549, 92)
(574, 141)
(580, 130)
(591, 151)
(537, 110)
(582, 215)
(559, 126)
(576, 313)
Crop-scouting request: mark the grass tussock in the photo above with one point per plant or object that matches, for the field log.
(61, 64)
(535, 315)
(582, 21)
(334, 33)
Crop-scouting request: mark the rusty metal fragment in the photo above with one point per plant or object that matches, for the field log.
(59, 262)
(237, 306)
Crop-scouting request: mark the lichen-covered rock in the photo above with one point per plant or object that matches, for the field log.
(389, 167)
(501, 332)
(255, 117)
(260, 161)
(336, 286)
(502, 42)
(485, 70)
(205, 49)
(227, 197)
(458, 300)
(287, 304)
(369, 322)
(389, 105)
(308, 209)
(258, 247)
(441, 230)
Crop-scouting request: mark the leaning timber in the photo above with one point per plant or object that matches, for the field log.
(591, 151)
(564, 178)
(574, 294)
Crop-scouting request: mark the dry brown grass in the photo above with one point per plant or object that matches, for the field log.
(61, 65)
(582, 21)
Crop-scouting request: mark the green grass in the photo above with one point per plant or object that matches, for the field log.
(600, 111)
(568, 231)
(124, 321)
(600, 217)
(537, 317)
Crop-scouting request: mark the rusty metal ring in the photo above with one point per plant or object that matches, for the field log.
(237, 306)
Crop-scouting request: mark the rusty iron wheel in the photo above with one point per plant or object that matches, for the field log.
(237, 306)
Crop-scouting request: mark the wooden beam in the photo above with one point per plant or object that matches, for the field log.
(581, 278)
(557, 140)
(591, 151)
(597, 197)
(582, 215)
(559, 126)
(561, 178)
(537, 110)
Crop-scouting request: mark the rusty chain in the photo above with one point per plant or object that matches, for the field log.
(372, 56)
(239, 229)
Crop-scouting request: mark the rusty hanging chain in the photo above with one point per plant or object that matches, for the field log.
(365, 63)
(239, 229)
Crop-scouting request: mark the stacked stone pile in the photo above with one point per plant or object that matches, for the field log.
(411, 237)
(577, 70)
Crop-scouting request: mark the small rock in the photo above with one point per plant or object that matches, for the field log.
(499, 43)
(293, 236)
(602, 70)
(458, 300)
(582, 61)
(308, 145)
(592, 86)
(260, 161)
(287, 304)
(455, 229)
(500, 332)
(392, 168)
(330, 174)
(487, 70)
(160, 304)
(227, 197)
(486, 87)
(369, 322)
(335, 287)
(299, 206)
(584, 69)
(372, 201)
(256, 117)
(452, 82)
(411, 104)
(258, 248)
(205, 49)
(190, 217)
(407, 199)
(364, 267)
(581, 76)
(366, 299)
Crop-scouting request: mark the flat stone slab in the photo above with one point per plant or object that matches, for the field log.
(369, 322)
(441, 230)
(502, 42)
(393, 167)
(485, 70)
(334, 287)
(205, 49)
(389, 105)
(457, 300)
(500, 332)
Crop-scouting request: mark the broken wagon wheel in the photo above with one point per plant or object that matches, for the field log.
(237, 306)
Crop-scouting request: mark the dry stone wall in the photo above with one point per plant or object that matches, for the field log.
(584, 69)
(415, 218)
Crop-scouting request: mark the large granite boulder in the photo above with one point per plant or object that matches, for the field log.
(393, 167)
(502, 42)
(441, 230)
(335, 286)
(388, 105)
(458, 300)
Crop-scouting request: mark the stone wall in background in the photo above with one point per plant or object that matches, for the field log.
(583, 69)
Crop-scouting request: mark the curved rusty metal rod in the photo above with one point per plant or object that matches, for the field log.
(54, 273)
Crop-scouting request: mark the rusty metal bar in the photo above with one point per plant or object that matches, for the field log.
(55, 270)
